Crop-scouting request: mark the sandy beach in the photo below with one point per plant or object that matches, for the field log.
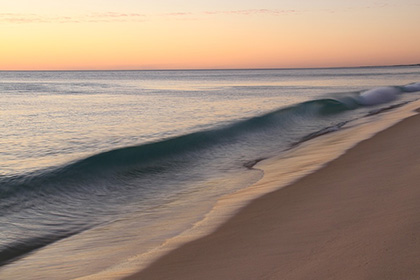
(356, 218)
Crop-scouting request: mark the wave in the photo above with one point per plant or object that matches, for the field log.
(17, 249)
(110, 172)
(147, 158)
(413, 87)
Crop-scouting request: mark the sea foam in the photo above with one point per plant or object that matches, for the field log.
(378, 96)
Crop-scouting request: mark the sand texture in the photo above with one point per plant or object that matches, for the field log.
(356, 218)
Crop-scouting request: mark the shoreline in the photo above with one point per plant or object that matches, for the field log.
(326, 226)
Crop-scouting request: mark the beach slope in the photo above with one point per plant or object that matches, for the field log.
(356, 218)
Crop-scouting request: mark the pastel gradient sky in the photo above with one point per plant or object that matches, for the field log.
(176, 34)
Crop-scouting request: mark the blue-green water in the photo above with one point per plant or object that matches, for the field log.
(151, 151)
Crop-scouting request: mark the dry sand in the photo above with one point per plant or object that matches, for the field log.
(356, 218)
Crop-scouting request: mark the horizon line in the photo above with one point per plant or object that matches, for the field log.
(212, 69)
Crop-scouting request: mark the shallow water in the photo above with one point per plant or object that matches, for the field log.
(99, 168)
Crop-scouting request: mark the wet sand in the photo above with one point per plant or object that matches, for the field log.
(356, 218)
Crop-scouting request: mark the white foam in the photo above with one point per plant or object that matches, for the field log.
(412, 87)
(378, 96)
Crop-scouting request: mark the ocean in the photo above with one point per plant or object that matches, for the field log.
(100, 170)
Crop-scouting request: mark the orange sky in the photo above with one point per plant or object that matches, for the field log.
(188, 34)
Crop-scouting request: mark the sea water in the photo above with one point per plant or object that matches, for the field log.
(99, 169)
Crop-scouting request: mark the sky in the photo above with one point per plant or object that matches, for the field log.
(196, 34)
